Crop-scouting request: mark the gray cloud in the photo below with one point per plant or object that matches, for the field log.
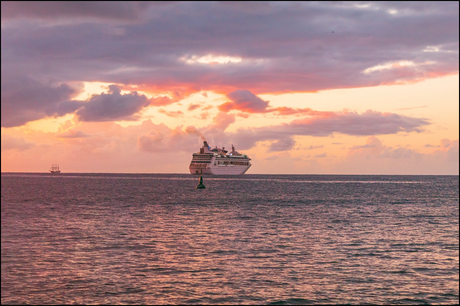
(284, 144)
(348, 123)
(352, 123)
(112, 106)
(72, 134)
(25, 99)
(104, 10)
(284, 47)
(362, 147)
(320, 155)
(315, 147)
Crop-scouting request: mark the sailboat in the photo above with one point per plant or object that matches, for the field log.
(55, 169)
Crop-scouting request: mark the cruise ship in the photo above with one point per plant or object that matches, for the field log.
(219, 161)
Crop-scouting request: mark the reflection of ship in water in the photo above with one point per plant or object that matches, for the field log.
(55, 169)
(219, 161)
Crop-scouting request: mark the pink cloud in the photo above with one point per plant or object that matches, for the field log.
(448, 148)
(161, 138)
(222, 121)
(15, 143)
(376, 158)
(115, 148)
(284, 110)
(445, 143)
(192, 107)
(204, 115)
(161, 101)
(175, 95)
(245, 101)
(376, 149)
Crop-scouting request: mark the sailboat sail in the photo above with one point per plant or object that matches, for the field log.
(55, 168)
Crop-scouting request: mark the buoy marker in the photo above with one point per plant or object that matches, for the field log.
(200, 184)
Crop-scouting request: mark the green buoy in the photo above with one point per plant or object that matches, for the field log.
(200, 184)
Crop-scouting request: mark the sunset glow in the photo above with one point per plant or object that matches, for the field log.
(304, 88)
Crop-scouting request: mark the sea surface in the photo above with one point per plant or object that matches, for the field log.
(253, 239)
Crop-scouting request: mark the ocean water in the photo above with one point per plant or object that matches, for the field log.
(255, 239)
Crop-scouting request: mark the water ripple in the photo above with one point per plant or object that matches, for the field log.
(256, 239)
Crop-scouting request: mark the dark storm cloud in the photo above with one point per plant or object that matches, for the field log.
(283, 46)
(112, 106)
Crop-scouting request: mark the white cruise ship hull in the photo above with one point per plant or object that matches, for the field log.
(209, 169)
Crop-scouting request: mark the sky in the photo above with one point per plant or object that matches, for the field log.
(300, 87)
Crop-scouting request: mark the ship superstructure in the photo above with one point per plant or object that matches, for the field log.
(55, 169)
(219, 161)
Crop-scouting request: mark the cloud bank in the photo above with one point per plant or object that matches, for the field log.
(348, 123)
(186, 47)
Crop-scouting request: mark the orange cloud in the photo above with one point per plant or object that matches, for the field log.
(174, 114)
